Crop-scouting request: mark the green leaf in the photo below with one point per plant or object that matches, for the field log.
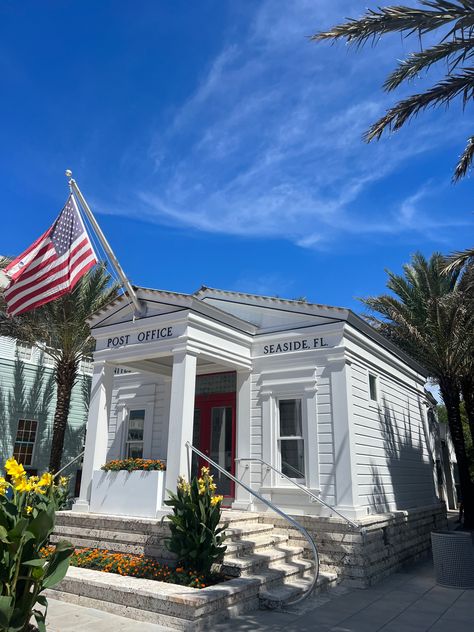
(38, 562)
(4, 535)
(40, 620)
(42, 525)
(6, 611)
(59, 564)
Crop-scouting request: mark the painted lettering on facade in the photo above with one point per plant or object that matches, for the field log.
(295, 345)
(143, 336)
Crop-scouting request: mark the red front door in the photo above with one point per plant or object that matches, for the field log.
(214, 435)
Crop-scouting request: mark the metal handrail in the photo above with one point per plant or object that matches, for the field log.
(276, 509)
(304, 489)
(68, 464)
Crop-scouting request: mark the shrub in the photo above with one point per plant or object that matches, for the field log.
(131, 465)
(196, 537)
(27, 512)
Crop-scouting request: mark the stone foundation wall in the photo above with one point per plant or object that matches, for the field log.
(386, 543)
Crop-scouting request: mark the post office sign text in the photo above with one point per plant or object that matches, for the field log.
(142, 336)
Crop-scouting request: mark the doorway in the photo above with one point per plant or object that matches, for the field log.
(214, 432)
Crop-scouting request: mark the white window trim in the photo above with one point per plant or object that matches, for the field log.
(293, 383)
(279, 438)
(35, 443)
(147, 428)
(24, 347)
(374, 403)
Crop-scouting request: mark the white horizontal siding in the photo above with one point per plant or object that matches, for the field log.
(28, 391)
(392, 460)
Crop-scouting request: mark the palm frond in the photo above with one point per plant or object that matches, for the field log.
(458, 260)
(422, 61)
(442, 93)
(376, 23)
(465, 161)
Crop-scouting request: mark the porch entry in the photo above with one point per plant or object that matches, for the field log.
(214, 427)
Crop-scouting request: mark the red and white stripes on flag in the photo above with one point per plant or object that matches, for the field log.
(51, 266)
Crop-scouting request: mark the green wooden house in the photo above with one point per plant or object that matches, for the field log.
(27, 404)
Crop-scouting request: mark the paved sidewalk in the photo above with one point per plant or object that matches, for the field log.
(409, 601)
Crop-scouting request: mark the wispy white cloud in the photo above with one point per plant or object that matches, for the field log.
(269, 142)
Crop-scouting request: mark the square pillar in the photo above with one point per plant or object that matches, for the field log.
(181, 421)
(345, 473)
(97, 434)
(243, 499)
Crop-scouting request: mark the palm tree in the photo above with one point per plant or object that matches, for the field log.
(428, 316)
(454, 21)
(61, 330)
(459, 260)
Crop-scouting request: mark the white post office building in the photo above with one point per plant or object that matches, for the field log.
(251, 381)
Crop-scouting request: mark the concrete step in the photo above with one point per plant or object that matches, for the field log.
(125, 537)
(249, 564)
(253, 544)
(109, 523)
(280, 595)
(239, 533)
(245, 517)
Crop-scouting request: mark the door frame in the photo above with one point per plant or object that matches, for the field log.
(206, 403)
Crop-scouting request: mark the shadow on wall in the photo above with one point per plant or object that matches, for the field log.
(32, 397)
(405, 480)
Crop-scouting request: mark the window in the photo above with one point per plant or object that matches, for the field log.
(24, 351)
(290, 439)
(373, 387)
(136, 425)
(87, 366)
(25, 441)
(46, 359)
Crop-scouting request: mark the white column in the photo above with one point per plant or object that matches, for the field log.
(244, 404)
(183, 387)
(97, 435)
(347, 499)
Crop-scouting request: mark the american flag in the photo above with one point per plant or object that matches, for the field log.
(51, 266)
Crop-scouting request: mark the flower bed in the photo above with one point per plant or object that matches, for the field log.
(132, 465)
(137, 566)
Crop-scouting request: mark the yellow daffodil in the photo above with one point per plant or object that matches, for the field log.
(14, 469)
(46, 480)
(216, 499)
(4, 485)
(64, 481)
(29, 509)
(23, 485)
(183, 485)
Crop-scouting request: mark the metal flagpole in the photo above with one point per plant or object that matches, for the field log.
(139, 307)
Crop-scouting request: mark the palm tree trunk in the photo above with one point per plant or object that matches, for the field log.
(467, 390)
(66, 372)
(452, 400)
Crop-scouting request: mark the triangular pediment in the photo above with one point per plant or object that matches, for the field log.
(156, 303)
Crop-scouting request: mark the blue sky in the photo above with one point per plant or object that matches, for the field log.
(218, 146)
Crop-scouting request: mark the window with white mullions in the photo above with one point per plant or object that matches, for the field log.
(290, 438)
(135, 429)
(25, 441)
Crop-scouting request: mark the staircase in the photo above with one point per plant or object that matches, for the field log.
(268, 571)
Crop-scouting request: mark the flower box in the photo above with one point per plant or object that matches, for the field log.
(138, 493)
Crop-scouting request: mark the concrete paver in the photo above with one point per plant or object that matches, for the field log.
(409, 601)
